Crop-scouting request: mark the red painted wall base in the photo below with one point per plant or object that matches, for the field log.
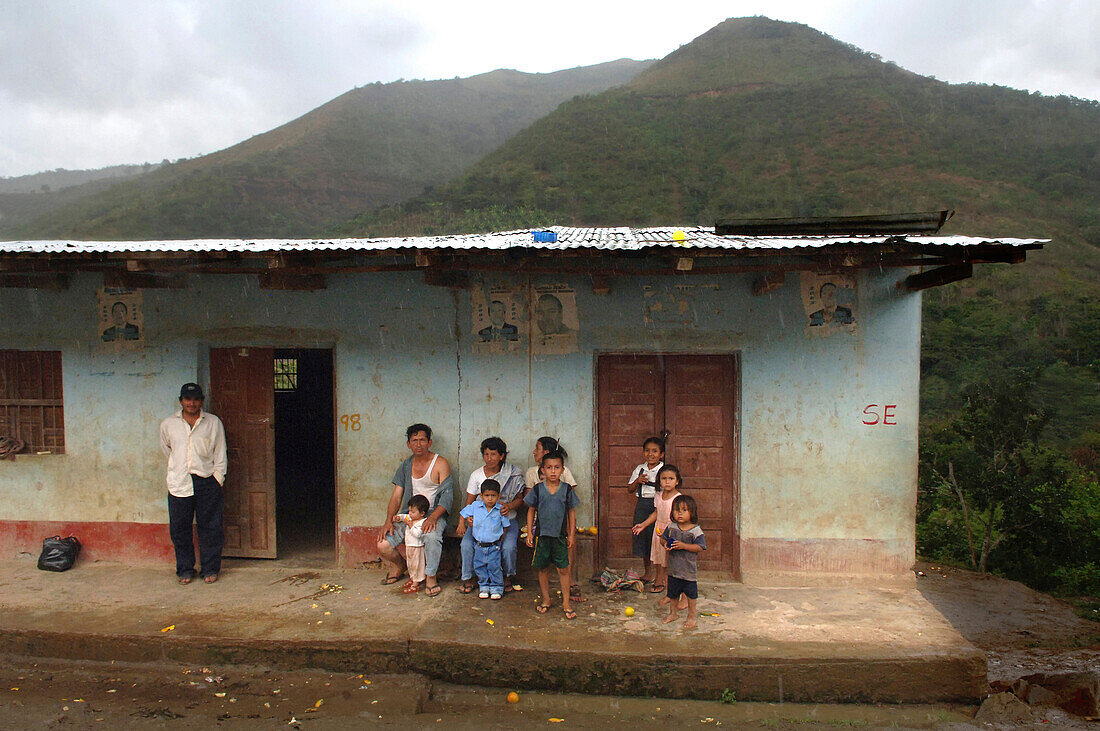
(143, 543)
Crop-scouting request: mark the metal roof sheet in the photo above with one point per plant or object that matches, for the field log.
(609, 239)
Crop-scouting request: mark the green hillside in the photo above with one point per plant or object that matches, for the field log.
(371, 146)
(758, 118)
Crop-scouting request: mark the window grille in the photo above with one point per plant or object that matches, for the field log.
(31, 405)
(286, 374)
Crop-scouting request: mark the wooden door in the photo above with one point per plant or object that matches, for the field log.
(692, 398)
(242, 395)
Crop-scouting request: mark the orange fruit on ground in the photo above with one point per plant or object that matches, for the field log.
(629, 611)
(592, 531)
(513, 697)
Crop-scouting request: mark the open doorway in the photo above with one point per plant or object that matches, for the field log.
(305, 469)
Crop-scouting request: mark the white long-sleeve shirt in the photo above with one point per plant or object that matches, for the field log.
(198, 450)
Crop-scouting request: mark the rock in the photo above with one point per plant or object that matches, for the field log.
(1076, 693)
(1004, 708)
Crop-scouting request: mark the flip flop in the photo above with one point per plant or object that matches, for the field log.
(542, 608)
(186, 580)
(391, 580)
(656, 588)
(466, 588)
(433, 590)
(517, 587)
(210, 578)
(570, 614)
(575, 594)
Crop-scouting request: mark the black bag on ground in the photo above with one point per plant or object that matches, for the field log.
(58, 554)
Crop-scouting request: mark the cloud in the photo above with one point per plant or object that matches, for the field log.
(88, 84)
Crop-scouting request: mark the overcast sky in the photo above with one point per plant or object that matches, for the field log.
(90, 84)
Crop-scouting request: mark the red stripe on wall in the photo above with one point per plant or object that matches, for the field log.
(357, 545)
(144, 543)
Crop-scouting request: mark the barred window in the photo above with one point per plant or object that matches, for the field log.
(286, 374)
(31, 406)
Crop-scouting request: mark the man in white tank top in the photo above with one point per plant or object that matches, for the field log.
(428, 474)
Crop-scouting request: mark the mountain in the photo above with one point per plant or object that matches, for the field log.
(762, 118)
(759, 118)
(374, 145)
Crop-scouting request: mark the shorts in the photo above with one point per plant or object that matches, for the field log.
(676, 587)
(550, 550)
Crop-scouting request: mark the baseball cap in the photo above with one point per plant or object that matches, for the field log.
(191, 390)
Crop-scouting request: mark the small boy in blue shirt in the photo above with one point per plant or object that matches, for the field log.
(488, 525)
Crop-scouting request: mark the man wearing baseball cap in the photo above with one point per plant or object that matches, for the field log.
(194, 441)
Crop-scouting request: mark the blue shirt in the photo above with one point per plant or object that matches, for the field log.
(489, 525)
(553, 507)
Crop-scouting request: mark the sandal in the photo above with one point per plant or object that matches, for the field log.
(575, 594)
(466, 588)
(414, 588)
(210, 578)
(391, 580)
(656, 588)
(517, 587)
(542, 608)
(570, 614)
(433, 590)
(186, 580)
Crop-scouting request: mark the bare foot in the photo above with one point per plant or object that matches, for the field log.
(682, 605)
(671, 618)
(664, 602)
(690, 623)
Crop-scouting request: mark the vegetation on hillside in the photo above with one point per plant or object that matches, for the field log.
(758, 118)
(377, 144)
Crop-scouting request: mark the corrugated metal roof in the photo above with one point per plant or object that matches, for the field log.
(610, 239)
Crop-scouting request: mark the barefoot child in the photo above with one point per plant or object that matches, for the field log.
(643, 482)
(414, 540)
(685, 541)
(555, 502)
(668, 477)
(488, 527)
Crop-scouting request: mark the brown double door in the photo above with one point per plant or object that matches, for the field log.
(243, 398)
(694, 401)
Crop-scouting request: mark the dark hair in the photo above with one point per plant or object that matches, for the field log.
(497, 445)
(550, 444)
(554, 454)
(655, 440)
(687, 501)
(418, 428)
(673, 469)
(420, 502)
(490, 486)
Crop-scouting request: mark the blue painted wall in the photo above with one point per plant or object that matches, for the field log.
(811, 470)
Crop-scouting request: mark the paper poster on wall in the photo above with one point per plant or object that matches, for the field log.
(499, 319)
(120, 317)
(669, 304)
(829, 301)
(554, 319)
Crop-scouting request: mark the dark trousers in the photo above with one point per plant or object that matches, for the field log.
(205, 508)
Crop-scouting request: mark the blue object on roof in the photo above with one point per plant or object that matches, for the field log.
(545, 237)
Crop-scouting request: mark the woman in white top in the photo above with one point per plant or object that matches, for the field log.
(533, 477)
(494, 452)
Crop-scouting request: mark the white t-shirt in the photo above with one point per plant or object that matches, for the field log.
(473, 486)
(650, 476)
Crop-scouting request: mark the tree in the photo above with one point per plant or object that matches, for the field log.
(984, 461)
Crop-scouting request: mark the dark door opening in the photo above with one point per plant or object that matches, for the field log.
(305, 465)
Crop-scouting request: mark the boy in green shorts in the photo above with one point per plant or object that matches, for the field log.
(556, 503)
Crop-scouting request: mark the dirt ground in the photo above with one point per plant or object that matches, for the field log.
(1020, 630)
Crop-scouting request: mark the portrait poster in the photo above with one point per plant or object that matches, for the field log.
(829, 303)
(554, 319)
(120, 319)
(499, 319)
(668, 304)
